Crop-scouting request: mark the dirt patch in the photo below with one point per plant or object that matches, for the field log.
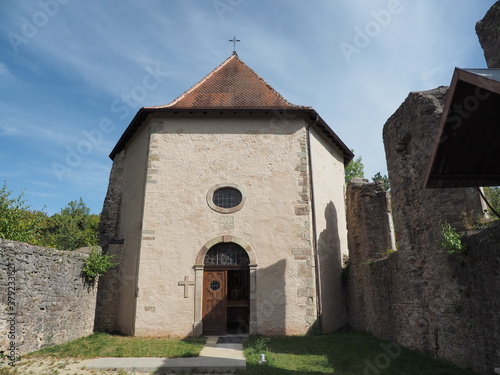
(57, 366)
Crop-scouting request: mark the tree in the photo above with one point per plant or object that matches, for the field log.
(354, 169)
(70, 229)
(378, 177)
(18, 222)
(73, 227)
(492, 194)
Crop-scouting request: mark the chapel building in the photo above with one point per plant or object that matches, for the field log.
(225, 212)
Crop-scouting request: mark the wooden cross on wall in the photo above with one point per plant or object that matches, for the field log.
(186, 284)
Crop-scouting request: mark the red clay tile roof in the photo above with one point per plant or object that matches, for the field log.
(232, 85)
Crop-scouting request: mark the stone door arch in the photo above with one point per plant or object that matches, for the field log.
(199, 279)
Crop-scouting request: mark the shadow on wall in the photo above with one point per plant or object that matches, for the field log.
(271, 299)
(271, 303)
(333, 315)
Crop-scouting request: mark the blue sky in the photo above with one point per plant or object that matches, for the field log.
(74, 73)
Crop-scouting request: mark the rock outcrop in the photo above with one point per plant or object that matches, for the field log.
(488, 31)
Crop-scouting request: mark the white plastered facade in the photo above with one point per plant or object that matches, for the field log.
(170, 165)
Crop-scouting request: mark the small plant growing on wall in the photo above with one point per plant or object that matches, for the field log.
(97, 264)
(452, 241)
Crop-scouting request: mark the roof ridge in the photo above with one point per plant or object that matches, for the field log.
(195, 86)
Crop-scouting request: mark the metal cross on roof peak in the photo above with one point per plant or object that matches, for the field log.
(234, 40)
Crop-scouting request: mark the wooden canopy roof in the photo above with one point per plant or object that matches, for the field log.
(466, 151)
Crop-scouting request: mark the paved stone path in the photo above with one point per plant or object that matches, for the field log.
(213, 357)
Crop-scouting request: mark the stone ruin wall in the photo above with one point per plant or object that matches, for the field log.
(110, 284)
(422, 297)
(370, 295)
(445, 305)
(43, 298)
(488, 31)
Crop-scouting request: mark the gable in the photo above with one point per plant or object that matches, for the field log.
(236, 89)
(233, 84)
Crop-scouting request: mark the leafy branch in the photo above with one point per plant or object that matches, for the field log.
(452, 240)
(97, 264)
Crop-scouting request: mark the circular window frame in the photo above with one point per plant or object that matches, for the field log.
(211, 285)
(222, 210)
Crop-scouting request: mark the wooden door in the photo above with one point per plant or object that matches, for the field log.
(238, 300)
(214, 302)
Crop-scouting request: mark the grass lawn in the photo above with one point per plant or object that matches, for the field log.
(346, 353)
(106, 345)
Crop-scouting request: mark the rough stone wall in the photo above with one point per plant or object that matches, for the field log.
(43, 298)
(370, 237)
(111, 243)
(422, 297)
(488, 31)
(408, 139)
(369, 204)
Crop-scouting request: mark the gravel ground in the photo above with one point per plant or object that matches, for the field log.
(53, 366)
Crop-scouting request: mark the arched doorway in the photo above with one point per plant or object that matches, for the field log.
(226, 290)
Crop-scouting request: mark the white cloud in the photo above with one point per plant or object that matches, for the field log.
(8, 129)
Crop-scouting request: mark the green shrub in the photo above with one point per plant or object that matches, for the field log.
(96, 265)
(452, 240)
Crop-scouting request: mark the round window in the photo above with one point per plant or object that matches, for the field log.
(226, 198)
(215, 285)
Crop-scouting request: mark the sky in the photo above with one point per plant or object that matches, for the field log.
(74, 73)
